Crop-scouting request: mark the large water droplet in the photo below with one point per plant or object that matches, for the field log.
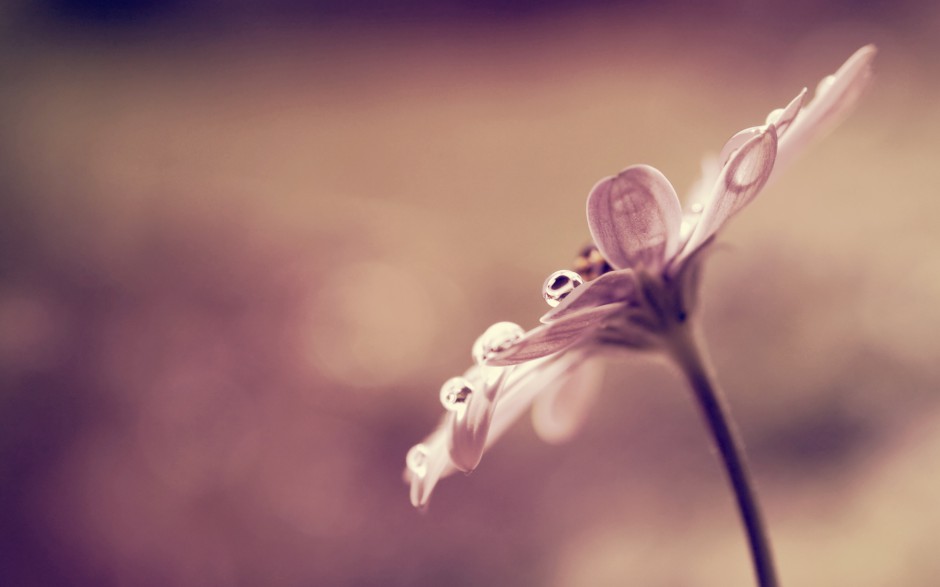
(417, 460)
(558, 285)
(497, 338)
(455, 393)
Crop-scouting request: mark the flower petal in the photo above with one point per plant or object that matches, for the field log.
(634, 218)
(688, 277)
(615, 286)
(470, 426)
(692, 211)
(783, 118)
(735, 143)
(835, 96)
(739, 181)
(529, 381)
(555, 336)
(437, 465)
(522, 384)
(559, 412)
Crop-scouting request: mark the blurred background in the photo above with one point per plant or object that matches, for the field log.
(243, 243)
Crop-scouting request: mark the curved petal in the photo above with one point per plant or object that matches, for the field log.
(559, 412)
(470, 426)
(737, 141)
(739, 181)
(835, 96)
(616, 286)
(554, 336)
(522, 384)
(436, 466)
(527, 381)
(634, 218)
(782, 118)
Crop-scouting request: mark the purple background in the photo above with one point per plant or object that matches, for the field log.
(242, 244)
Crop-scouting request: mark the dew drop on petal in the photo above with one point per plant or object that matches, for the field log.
(746, 173)
(417, 460)
(455, 393)
(774, 116)
(559, 284)
(497, 338)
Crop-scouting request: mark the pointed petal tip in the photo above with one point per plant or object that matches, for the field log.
(859, 64)
(835, 96)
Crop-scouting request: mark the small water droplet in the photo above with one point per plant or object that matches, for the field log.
(774, 116)
(697, 208)
(417, 460)
(559, 284)
(455, 393)
(825, 83)
(497, 338)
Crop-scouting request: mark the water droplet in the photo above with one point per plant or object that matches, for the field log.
(417, 460)
(558, 285)
(455, 393)
(774, 116)
(825, 83)
(697, 208)
(497, 338)
(744, 176)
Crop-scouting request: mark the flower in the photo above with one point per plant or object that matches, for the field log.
(655, 248)
(643, 298)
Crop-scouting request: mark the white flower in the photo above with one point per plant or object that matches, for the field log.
(654, 250)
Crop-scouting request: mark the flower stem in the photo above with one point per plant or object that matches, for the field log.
(693, 362)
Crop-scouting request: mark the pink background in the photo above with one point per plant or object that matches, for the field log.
(242, 246)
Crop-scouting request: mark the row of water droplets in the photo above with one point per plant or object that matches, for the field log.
(457, 392)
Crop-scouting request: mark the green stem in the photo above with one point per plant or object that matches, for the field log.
(693, 362)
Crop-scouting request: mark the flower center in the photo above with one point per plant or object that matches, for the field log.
(590, 263)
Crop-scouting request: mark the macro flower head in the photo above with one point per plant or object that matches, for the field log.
(650, 251)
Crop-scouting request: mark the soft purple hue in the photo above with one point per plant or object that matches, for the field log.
(656, 249)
